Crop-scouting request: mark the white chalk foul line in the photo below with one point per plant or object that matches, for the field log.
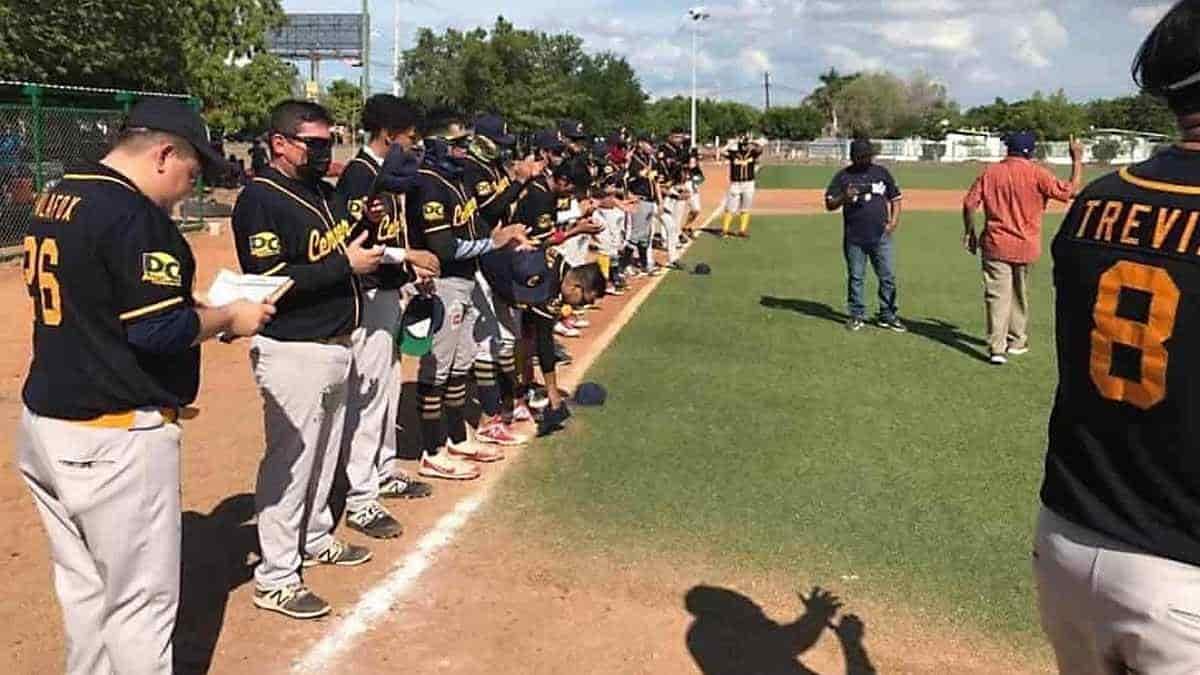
(379, 599)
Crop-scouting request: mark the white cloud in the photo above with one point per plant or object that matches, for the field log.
(922, 7)
(755, 61)
(1146, 16)
(1033, 42)
(953, 36)
(845, 58)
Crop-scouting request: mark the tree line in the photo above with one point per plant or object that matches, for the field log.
(214, 49)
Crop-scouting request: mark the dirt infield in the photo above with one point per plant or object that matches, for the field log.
(493, 600)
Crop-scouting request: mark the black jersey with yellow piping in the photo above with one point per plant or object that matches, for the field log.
(99, 256)
(354, 186)
(289, 228)
(537, 210)
(743, 163)
(494, 193)
(440, 213)
(1124, 437)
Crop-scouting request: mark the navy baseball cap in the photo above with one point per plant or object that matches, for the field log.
(548, 140)
(531, 277)
(495, 128)
(572, 129)
(591, 394)
(175, 117)
(861, 148)
(1021, 144)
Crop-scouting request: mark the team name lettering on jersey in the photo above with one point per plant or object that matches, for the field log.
(463, 213)
(1135, 224)
(265, 245)
(55, 207)
(389, 228)
(483, 188)
(321, 244)
(161, 269)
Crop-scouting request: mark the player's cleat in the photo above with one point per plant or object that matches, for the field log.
(1018, 351)
(656, 272)
(998, 359)
(855, 324)
(564, 330)
(521, 413)
(404, 487)
(295, 601)
(339, 553)
(374, 521)
(613, 290)
(578, 322)
(474, 451)
(678, 266)
(443, 466)
(893, 324)
(496, 432)
(538, 399)
(743, 235)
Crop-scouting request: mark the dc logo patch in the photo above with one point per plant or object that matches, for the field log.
(161, 269)
(265, 245)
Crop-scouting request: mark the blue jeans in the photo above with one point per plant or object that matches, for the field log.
(881, 257)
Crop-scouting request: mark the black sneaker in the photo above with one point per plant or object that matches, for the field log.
(855, 324)
(340, 554)
(553, 420)
(398, 487)
(295, 601)
(374, 521)
(893, 324)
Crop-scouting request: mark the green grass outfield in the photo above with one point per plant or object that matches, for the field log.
(912, 175)
(746, 423)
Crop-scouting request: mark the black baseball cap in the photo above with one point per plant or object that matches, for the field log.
(532, 282)
(495, 128)
(175, 117)
(861, 148)
(572, 129)
(548, 140)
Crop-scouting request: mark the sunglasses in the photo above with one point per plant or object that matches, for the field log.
(310, 142)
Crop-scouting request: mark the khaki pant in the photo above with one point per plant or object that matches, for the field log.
(303, 385)
(109, 500)
(1006, 294)
(1111, 610)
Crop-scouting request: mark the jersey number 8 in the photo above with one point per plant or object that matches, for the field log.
(43, 285)
(1148, 337)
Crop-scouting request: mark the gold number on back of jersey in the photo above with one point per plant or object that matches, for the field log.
(1148, 337)
(40, 260)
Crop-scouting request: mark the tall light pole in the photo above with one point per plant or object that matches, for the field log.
(697, 15)
(366, 47)
(396, 51)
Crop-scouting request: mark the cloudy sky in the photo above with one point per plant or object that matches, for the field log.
(980, 48)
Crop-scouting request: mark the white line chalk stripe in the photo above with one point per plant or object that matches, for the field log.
(379, 599)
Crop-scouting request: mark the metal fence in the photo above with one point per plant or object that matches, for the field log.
(45, 131)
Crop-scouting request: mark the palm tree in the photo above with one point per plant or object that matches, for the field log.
(825, 97)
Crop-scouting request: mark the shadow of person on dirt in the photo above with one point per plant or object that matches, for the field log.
(731, 635)
(216, 559)
(937, 330)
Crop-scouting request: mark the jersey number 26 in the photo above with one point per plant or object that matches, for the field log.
(39, 277)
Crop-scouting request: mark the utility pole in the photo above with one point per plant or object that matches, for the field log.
(767, 89)
(396, 51)
(697, 15)
(366, 55)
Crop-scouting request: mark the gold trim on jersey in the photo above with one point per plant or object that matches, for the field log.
(150, 309)
(274, 269)
(1158, 186)
(97, 176)
(370, 165)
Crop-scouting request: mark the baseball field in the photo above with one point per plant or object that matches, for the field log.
(754, 461)
(910, 175)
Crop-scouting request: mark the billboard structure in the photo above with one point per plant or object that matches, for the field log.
(314, 37)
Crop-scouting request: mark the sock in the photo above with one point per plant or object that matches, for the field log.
(726, 221)
(745, 222)
(605, 263)
(488, 386)
(432, 431)
(506, 381)
(644, 254)
(455, 403)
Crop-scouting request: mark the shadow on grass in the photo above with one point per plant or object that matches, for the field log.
(216, 559)
(936, 330)
(731, 635)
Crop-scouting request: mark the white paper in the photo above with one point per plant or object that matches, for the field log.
(229, 286)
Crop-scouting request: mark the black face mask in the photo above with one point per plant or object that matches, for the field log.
(320, 156)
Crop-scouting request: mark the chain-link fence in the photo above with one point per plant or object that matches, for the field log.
(45, 131)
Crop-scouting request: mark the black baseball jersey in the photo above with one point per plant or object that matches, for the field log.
(537, 210)
(353, 186)
(99, 256)
(743, 164)
(439, 214)
(641, 175)
(1124, 439)
(288, 228)
(674, 163)
(494, 193)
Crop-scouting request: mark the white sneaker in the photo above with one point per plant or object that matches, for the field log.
(564, 330)
(1018, 351)
(443, 466)
(998, 359)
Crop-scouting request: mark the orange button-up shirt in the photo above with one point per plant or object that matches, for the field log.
(1014, 194)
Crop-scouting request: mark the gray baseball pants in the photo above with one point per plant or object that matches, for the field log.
(303, 385)
(109, 500)
(374, 395)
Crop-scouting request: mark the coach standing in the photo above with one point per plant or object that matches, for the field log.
(290, 222)
(115, 356)
(870, 203)
(1013, 194)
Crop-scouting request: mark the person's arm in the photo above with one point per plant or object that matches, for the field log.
(837, 194)
(895, 201)
(1059, 190)
(971, 204)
